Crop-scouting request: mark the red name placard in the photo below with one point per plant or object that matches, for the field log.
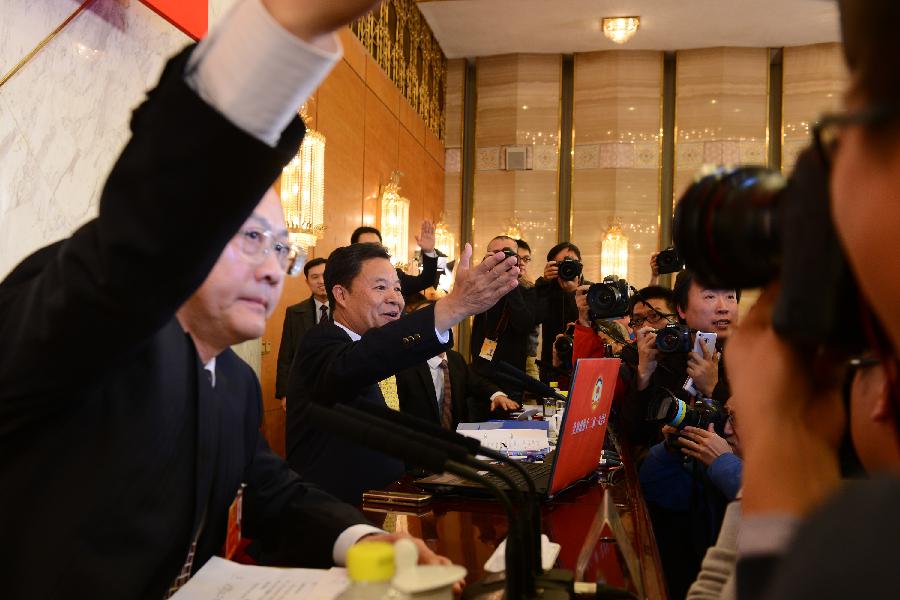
(190, 16)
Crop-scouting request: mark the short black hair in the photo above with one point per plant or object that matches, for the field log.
(652, 292)
(523, 245)
(345, 263)
(354, 237)
(682, 288)
(313, 263)
(563, 246)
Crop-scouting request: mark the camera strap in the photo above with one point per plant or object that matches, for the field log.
(502, 323)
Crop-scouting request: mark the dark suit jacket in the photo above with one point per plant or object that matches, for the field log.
(410, 284)
(298, 319)
(471, 393)
(330, 368)
(513, 344)
(112, 443)
(554, 309)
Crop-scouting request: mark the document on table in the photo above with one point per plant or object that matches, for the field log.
(222, 579)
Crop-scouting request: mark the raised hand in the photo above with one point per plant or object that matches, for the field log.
(312, 19)
(425, 239)
(476, 289)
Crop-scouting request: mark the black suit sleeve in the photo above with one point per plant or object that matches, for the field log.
(521, 306)
(478, 395)
(118, 279)
(339, 369)
(410, 284)
(295, 523)
(285, 355)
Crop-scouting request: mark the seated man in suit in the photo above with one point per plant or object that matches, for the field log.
(410, 284)
(298, 319)
(120, 462)
(368, 342)
(424, 391)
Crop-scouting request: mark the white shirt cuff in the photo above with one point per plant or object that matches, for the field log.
(495, 394)
(442, 336)
(431, 254)
(348, 537)
(255, 72)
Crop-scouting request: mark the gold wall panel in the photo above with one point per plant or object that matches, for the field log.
(721, 108)
(617, 108)
(814, 80)
(518, 105)
(401, 42)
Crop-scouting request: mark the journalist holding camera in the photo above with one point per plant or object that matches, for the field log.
(555, 301)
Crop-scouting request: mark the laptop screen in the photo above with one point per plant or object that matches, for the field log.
(584, 429)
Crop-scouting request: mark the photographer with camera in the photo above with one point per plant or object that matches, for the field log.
(688, 481)
(670, 359)
(555, 300)
(501, 333)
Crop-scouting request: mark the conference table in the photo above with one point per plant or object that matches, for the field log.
(602, 526)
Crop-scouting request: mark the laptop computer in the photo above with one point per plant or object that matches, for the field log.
(582, 432)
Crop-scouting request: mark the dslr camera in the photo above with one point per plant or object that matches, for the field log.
(609, 299)
(744, 227)
(668, 261)
(564, 346)
(674, 338)
(668, 409)
(569, 269)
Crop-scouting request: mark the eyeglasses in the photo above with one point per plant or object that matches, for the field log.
(654, 317)
(256, 243)
(525, 259)
(826, 131)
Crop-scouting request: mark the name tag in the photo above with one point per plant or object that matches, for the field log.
(487, 349)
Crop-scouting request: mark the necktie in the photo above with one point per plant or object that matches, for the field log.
(447, 402)
(389, 391)
(323, 313)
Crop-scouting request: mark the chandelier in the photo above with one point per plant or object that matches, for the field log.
(620, 29)
(444, 240)
(395, 221)
(303, 190)
(614, 253)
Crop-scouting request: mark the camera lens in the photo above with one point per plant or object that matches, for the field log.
(726, 227)
(569, 269)
(673, 338)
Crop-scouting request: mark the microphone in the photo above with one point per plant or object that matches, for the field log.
(529, 384)
(353, 425)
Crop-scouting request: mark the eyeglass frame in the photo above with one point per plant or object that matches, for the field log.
(292, 261)
(871, 115)
(670, 317)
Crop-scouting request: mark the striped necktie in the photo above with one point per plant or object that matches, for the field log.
(389, 391)
(447, 401)
(323, 313)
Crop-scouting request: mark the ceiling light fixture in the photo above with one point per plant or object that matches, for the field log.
(620, 29)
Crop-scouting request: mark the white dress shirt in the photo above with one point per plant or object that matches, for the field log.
(257, 74)
(319, 306)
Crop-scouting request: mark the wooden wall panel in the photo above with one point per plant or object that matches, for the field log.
(382, 133)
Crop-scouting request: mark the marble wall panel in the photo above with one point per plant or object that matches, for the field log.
(721, 109)
(617, 105)
(814, 81)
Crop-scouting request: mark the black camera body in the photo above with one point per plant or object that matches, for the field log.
(744, 227)
(674, 338)
(609, 299)
(668, 261)
(569, 269)
(564, 346)
(509, 253)
(668, 409)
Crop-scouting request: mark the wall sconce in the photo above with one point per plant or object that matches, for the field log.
(395, 221)
(444, 240)
(614, 253)
(620, 29)
(303, 189)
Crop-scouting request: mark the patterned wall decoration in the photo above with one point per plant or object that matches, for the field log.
(401, 42)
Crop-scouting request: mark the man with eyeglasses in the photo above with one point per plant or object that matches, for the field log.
(127, 424)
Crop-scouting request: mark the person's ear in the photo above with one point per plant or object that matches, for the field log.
(680, 313)
(341, 295)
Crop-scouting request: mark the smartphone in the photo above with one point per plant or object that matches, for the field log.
(705, 340)
(396, 498)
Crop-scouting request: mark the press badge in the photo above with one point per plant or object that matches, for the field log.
(488, 348)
